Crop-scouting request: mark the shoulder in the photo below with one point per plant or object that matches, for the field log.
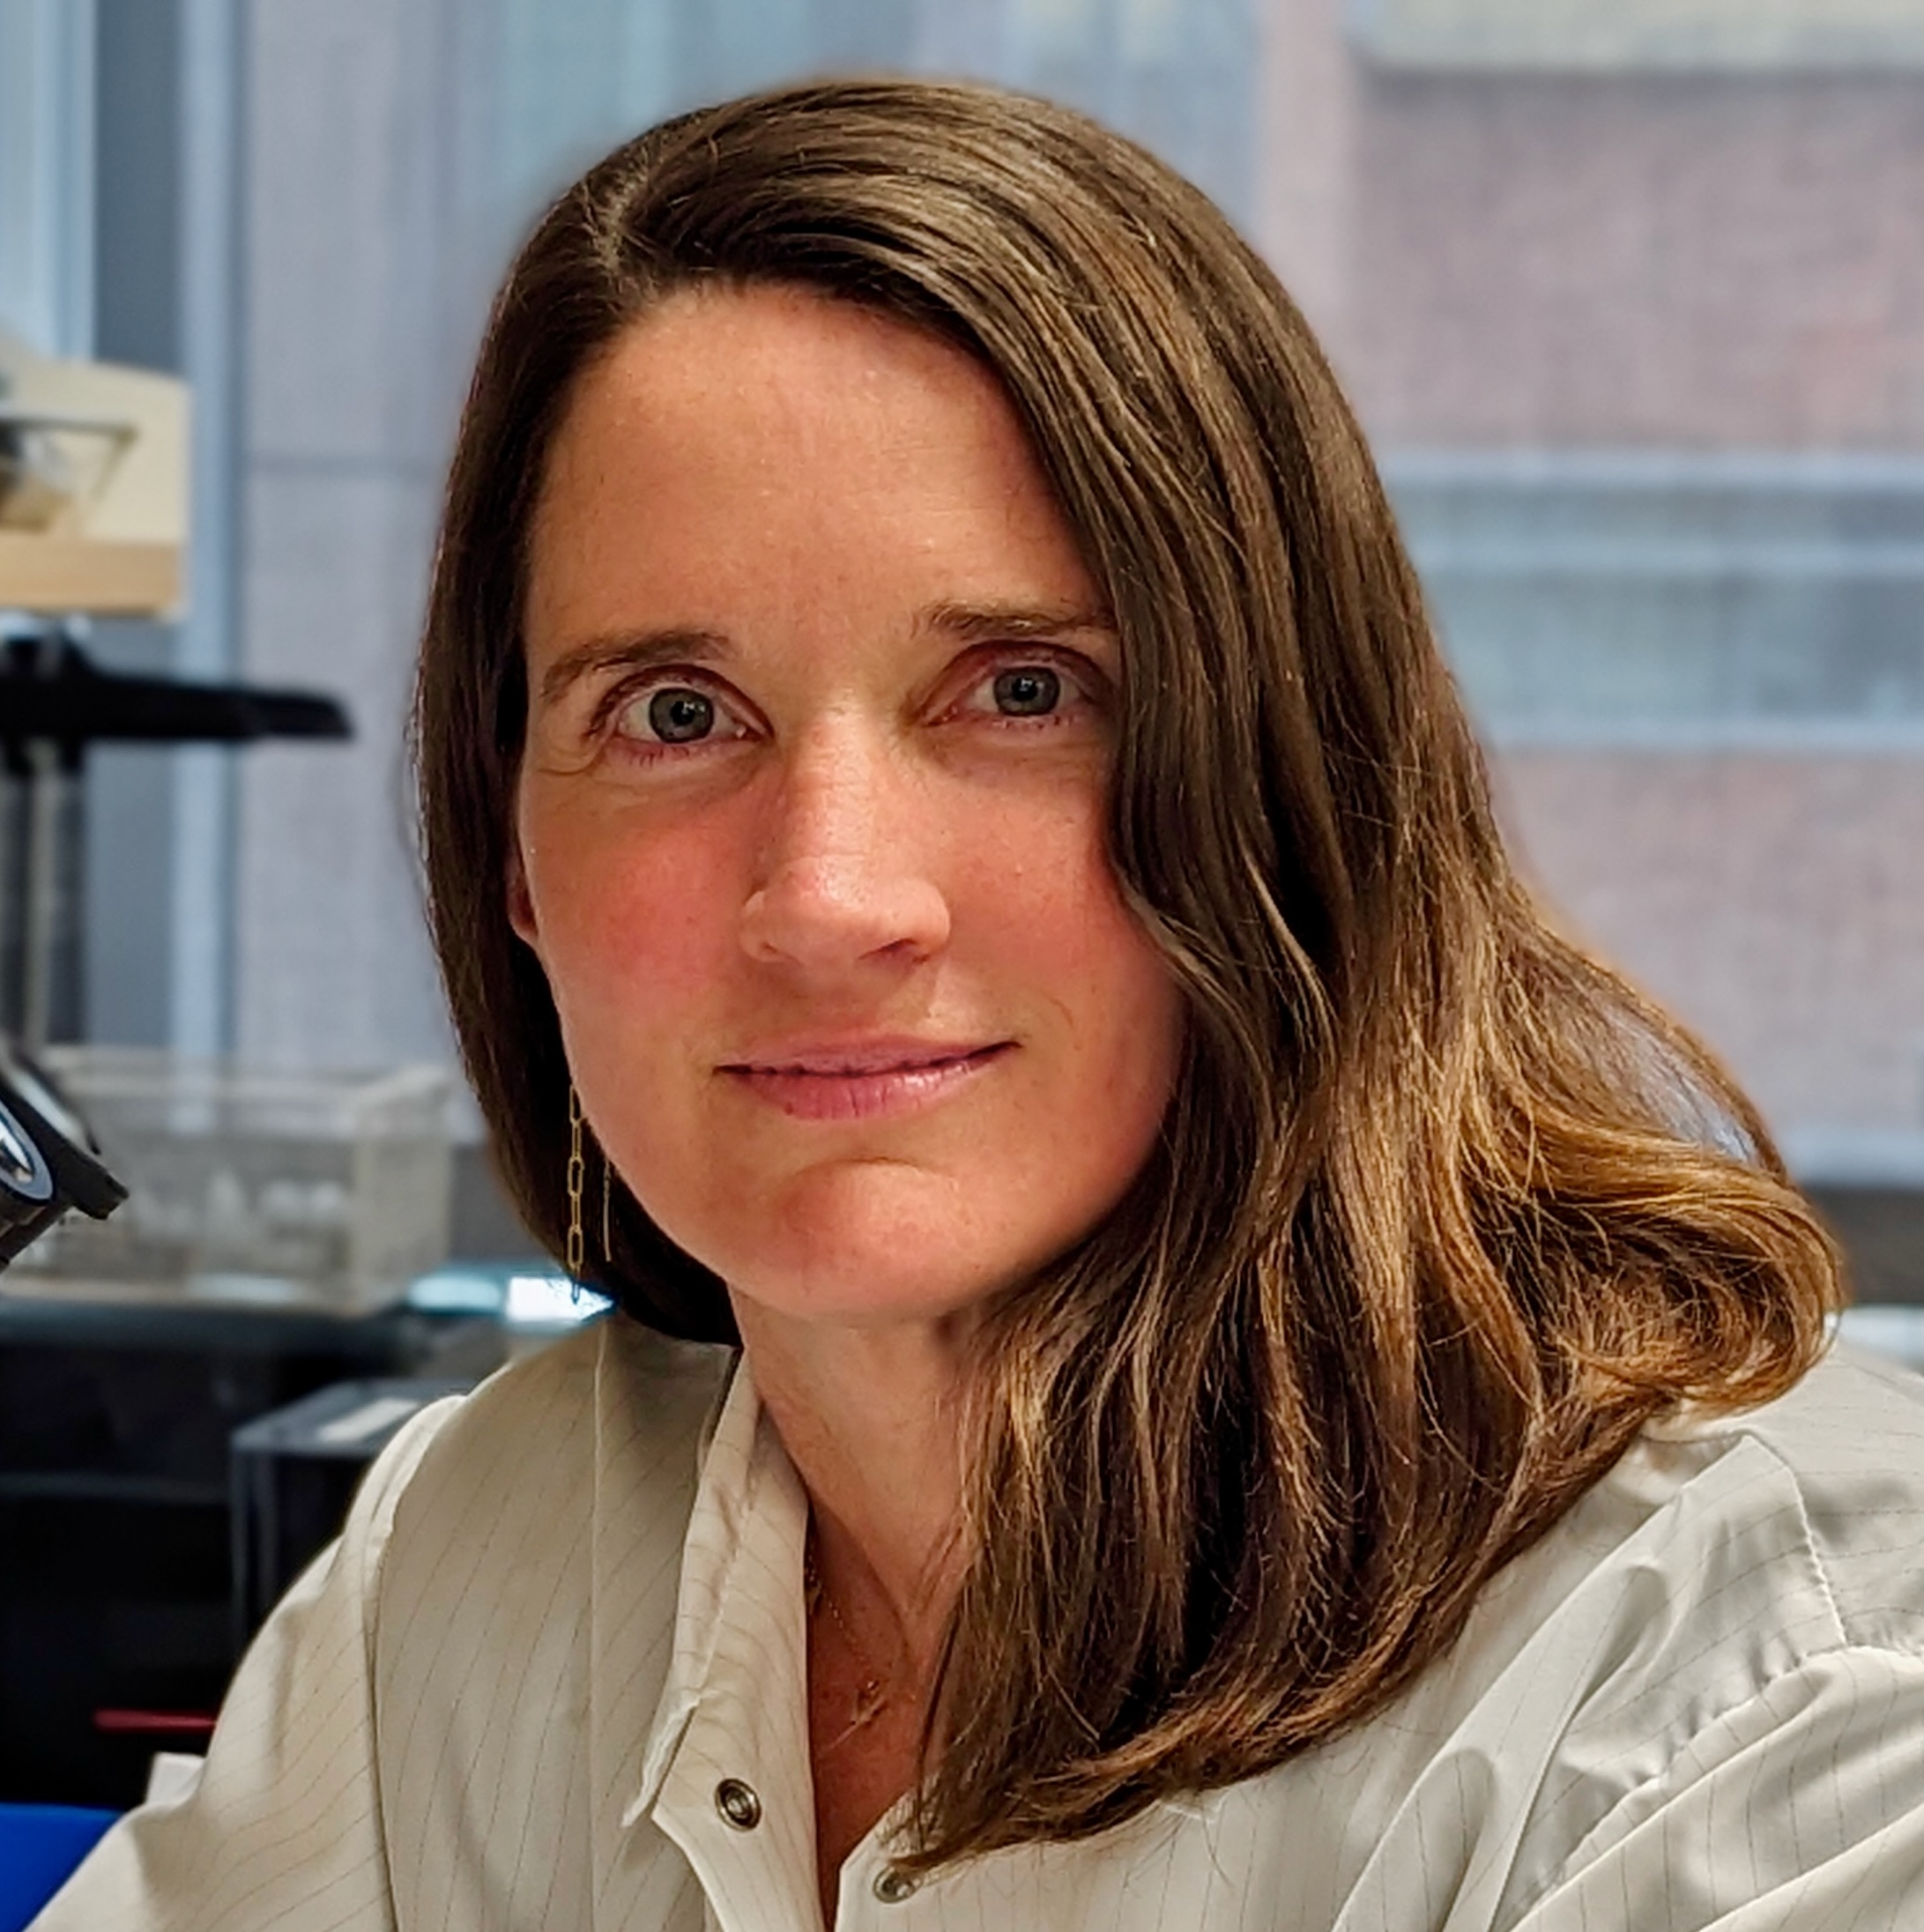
(1727, 1556)
(613, 1386)
(1849, 1440)
(430, 1674)
(1730, 1623)
(1751, 1644)
(1840, 1461)
(521, 1618)
(1803, 1517)
(516, 1471)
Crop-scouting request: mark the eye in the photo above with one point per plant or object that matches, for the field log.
(678, 716)
(652, 717)
(1027, 691)
(1062, 688)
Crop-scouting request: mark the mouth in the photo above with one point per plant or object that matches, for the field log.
(862, 1080)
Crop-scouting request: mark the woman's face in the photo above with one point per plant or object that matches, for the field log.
(810, 815)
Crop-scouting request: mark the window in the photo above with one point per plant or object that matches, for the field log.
(47, 173)
(1685, 598)
(566, 80)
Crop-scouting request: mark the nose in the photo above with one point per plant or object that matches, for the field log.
(840, 885)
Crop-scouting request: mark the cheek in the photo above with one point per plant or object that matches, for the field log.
(627, 922)
(1028, 861)
(1038, 882)
(1044, 902)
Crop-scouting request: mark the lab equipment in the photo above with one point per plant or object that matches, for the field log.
(328, 1192)
(48, 1161)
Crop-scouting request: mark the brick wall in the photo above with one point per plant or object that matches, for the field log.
(1694, 261)
(1698, 261)
(1774, 902)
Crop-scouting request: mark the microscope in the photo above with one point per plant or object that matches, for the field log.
(49, 1162)
(93, 502)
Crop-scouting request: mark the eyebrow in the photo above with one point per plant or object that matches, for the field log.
(970, 623)
(965, 623)
(632, 650)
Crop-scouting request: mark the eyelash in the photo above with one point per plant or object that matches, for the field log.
(1083, 688)
(621, 697)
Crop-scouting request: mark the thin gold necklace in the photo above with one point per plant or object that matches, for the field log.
(872, 1695)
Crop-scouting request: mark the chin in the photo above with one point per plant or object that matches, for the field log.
(867, 1254)
(849, 1286)
(857, 1283)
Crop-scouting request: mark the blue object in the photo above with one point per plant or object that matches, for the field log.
(40, 1845)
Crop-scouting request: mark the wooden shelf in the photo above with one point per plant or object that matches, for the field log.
(61, 575)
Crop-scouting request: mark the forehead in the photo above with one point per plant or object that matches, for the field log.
(713, 346)
(768, 447)
(749, 381)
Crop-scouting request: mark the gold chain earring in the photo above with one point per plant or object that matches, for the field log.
(577, 1173)
(607, 1187)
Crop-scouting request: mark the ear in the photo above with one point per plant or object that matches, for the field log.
(520, 901)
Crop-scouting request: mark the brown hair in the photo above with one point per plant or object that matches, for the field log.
(1444, 1212)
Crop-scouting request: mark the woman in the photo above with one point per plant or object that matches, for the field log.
(1271, 1390)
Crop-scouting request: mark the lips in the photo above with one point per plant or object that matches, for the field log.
(861, 1079)
(891, 1056)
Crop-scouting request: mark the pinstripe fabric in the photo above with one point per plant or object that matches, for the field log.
(566, 1608)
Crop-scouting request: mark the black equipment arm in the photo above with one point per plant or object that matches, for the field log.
(51, 691)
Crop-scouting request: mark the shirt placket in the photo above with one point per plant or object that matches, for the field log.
(874, 1894)
(737, 1797)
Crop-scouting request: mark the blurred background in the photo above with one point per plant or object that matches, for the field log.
(1628, 293)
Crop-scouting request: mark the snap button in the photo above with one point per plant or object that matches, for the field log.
(893, 1886)
(738, 1805)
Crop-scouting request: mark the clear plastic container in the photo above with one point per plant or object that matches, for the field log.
(327, 1191)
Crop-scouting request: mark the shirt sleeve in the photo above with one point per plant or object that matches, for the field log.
(283, 1827)
(1800, 1810)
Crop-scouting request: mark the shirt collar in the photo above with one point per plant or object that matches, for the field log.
(739, 1658)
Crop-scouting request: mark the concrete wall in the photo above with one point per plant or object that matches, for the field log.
(1660, 34)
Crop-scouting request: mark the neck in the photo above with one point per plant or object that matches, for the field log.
(871, 1418)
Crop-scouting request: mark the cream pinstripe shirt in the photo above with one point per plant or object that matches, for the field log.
(568, 1609)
